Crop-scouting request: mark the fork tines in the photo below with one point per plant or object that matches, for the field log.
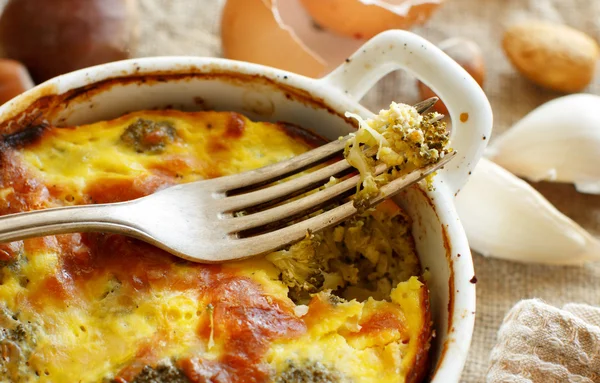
(266, 199)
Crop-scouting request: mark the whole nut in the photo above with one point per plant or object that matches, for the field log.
(59, 36)
(468, 55)
(554, 56)
(14, 79)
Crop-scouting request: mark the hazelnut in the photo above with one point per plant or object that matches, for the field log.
(59, 36)
(14, 79)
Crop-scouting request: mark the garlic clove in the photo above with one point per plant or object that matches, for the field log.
(559, 141)
(588, 187)
(505, 217)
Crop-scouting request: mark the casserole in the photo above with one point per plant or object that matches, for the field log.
(94, 307)
(111, 90)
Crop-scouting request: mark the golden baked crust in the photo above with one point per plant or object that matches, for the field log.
(101, 307)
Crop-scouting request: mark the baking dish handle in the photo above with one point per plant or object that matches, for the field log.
(469, 108)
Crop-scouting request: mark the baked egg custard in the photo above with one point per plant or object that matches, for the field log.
(344, 305)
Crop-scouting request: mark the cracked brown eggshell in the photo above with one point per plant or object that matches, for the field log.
(365, 18)
(283, 33)
(251, 30)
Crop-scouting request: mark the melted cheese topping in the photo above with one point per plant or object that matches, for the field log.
(208, 145)
(372, 341)
(88, 307)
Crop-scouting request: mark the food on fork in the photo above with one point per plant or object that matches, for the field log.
(405, 141)
(345, 304)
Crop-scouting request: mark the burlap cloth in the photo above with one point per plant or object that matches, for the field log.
(191, 27)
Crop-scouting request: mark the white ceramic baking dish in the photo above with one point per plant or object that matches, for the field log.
(194, 83)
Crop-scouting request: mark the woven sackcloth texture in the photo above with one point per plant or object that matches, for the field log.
(540, 343)
(190, 27)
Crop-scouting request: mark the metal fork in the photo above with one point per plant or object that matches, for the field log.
(219, 219)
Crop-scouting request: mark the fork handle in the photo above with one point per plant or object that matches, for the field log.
(103, 217)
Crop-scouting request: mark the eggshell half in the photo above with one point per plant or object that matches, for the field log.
(365, 18)
(252, 30)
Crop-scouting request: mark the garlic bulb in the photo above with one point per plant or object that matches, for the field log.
(559, 141)
(505, 217)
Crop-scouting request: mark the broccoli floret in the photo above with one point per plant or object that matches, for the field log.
(364, 256)
(308, 372)
(164, 373)
(19, 334)
(17, 340)
(301, 269)
(147, 136)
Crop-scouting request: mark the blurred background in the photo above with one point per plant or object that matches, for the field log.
(116, 29)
